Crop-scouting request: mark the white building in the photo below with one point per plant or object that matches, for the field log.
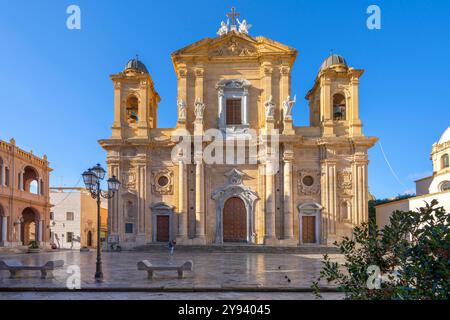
(74, 218)
(436, 186)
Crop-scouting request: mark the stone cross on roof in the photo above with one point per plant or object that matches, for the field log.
(233, 15)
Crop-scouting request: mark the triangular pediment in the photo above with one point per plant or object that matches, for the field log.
(234, 44)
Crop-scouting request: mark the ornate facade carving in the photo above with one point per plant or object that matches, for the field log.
(129, 179)
(234, 47)
(162, 181)
(344, 179)
(309, 182)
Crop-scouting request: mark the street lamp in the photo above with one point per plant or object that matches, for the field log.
(92, 178)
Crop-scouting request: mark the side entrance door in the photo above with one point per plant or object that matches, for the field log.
(162, 228)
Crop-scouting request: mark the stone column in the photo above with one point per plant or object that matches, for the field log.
(221, 109)
(266, 74)
(326, 106)
(40, 230)
(245, 107)
(199, 201)
(183, 93)
(4, 229)
(287, 204)
(19, 231)
(353, 109)
(360, 205)
(142, 204)
(143, 109)
(329, 194)
(285, 89)
(270, 203)
(182, 193)
(113, 204)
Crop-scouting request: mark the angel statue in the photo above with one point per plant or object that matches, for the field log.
(287, 107)
(181, 110)
(199, 109)
(270, 108)
(223, 29)
(244, 26)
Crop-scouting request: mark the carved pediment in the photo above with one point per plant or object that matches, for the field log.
(234, 47)
(235, 44)
(235, 176)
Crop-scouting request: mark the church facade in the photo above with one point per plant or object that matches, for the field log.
(270, 182)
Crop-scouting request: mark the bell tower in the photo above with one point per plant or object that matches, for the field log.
(135, 102)
(333, 101)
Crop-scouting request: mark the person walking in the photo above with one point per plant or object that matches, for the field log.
(172, 244)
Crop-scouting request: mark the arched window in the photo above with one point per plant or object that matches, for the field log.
(339, 107)
(132, 109)
(30, 180)
(445, 161)
(7, 176)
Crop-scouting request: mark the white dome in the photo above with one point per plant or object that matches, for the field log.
(445, 136)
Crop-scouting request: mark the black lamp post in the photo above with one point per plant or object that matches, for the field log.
(92, 178)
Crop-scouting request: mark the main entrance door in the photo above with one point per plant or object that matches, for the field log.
(234, 221)
(309, 229)
(162, 228)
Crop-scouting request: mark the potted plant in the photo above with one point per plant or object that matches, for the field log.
(33, 247)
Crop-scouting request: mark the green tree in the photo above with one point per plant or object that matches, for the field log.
(407, 259)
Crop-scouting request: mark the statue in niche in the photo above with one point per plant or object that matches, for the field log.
(270, 108)
(181, 110)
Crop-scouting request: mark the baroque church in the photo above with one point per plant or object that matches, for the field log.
(309, 186)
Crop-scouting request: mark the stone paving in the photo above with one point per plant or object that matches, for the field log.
(212, 271)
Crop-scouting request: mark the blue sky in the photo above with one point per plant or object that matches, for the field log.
(56, 97)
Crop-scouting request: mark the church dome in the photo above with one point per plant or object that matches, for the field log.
(445, 136)
(136, 65)
(333, 60)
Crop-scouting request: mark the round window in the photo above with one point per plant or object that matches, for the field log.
(308, 181)
(163, 181)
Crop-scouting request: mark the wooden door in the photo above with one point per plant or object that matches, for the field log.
(309, 229)
(89, 239)
(234, 221)
(162, 228)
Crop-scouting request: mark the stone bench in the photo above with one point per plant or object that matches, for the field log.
(15, 267)
(145, 265)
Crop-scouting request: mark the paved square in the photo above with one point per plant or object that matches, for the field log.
(212, 271)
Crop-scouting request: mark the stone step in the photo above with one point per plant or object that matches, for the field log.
(237, 248)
